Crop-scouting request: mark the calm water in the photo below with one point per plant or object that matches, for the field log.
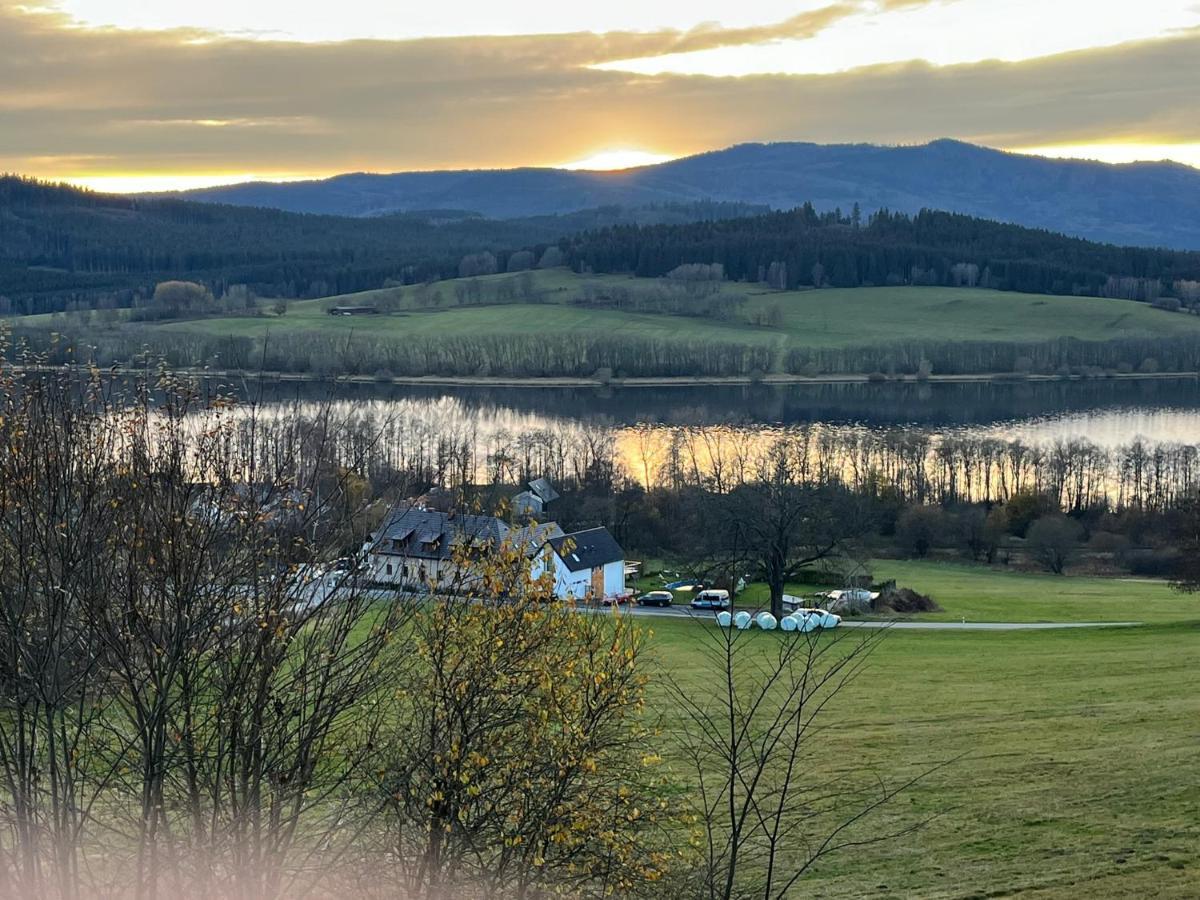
(1108, 413)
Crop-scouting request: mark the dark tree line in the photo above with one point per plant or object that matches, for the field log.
(804, 248)
(64, 248)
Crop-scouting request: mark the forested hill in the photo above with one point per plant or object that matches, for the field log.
(803, 247)
(62, 246)
(1144, 204)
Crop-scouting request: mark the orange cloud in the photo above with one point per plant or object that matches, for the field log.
(78, 101)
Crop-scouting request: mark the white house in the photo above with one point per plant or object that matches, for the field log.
(586, 565)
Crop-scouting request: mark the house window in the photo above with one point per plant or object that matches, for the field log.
(404, 571)
(389, 568)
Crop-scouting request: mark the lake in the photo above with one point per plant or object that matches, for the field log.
(1107, 412)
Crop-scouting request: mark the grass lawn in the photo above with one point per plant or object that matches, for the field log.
(817, 318)
(514, 319)
(1079, 771)
(982, 594)
(992, 594)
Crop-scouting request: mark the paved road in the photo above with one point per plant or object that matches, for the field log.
(680, 611)
(683, 612)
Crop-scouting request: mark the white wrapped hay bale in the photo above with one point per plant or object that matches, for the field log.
(788, 623)
(724, 619)
(742, 620)
(765, 621)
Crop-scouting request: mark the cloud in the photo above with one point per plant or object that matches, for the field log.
(75, 100)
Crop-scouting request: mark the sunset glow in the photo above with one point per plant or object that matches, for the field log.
(612, 160)
(1188, 154)
(137, 184)
(122, 95)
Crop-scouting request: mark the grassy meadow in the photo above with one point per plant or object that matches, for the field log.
(530, 325)
(1075, 752)
(979, 593)
(828, 318)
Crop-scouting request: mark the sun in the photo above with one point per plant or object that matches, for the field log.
(612, 160)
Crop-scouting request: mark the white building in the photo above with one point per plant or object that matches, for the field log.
(586, 565)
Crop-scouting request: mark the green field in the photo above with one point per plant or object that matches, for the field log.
(1077, 772)
(529, 325)
(981, 594)
(817, 318)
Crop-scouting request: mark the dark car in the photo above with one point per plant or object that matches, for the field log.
(655, 598)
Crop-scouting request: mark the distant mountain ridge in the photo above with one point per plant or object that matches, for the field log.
(1141, 204)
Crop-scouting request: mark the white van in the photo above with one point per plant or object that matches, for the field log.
(711, 599)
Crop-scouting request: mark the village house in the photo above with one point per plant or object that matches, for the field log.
(416, 548)
(587, 564)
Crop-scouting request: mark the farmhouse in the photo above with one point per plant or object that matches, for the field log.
(416, 548)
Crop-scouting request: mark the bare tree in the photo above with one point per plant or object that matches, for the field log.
(54, 516)
(781, 522)
(1054, 540)
(188, 693)
(752, 730)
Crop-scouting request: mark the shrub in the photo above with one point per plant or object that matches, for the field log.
(919, 528)
(1053, 541)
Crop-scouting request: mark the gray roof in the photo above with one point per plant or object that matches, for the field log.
(587, 549)
(534, 537)
(433, 535)
(544, 490)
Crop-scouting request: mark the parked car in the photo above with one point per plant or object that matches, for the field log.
(655, 598)
(822, 617)
(712, 598)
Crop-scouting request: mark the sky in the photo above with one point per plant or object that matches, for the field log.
(132, 95)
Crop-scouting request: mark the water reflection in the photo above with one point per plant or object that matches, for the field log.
(1107, 412)
(1085, 439)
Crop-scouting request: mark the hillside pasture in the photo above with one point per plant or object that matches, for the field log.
(555, 323)
(826, 318)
